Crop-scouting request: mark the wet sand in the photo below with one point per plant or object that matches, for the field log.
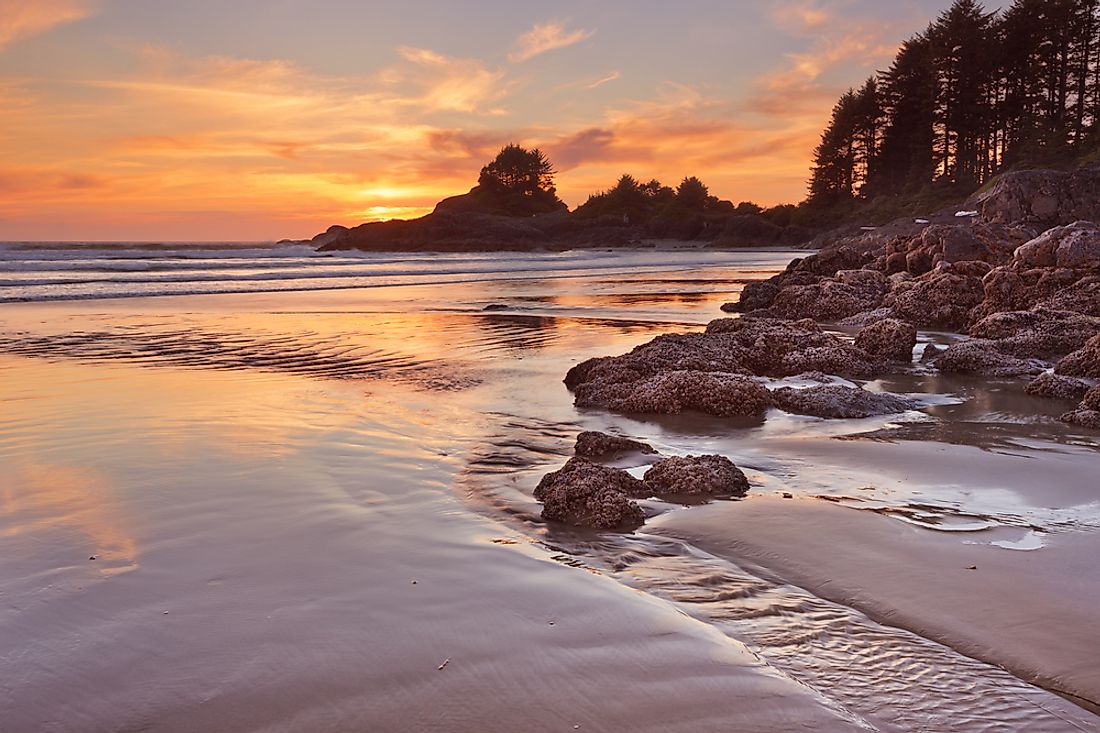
(261, 478)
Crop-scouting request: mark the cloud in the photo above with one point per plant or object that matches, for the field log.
(545, 37)
(20, 19)
(801, 16)
(448, 83)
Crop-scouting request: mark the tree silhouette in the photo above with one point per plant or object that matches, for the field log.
(692, 194)
(518, 182)
(976, 93)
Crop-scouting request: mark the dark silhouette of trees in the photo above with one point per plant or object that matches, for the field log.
(974, 94)
(517, 182)
(693, 195)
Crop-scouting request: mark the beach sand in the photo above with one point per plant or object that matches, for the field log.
(312, 511)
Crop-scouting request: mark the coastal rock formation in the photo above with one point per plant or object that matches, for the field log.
(1085, 362)
(947, 277)
(1017, 343)
(697, 475)
(840, 402)
(712, 372)
(1043, 198)
(1087, 414)
(984, 357)
(586, 494)
(888, 340)
(942, 298)
(593, 444)
(715, 393)
(1057, 387)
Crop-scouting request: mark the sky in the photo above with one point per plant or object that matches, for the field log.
(206, 120)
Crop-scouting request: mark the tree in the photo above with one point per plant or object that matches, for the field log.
(518, 170)
(692, 195)
(834, 158)
(519, 182)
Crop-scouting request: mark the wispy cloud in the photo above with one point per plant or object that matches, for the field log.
(613, 76)
(21, 19)
(447, 83)
(545, 37)
(801, 16)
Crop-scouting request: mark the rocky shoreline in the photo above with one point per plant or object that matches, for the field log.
(1017, 278)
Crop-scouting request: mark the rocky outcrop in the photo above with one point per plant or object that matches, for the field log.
(940, 299)
(593, 444)
(1056, 387)
(1085, 362)
(984, 357)
(696, 476)
(840, 402)
(713, 372)
(1042, 198)
(947, 277)
(888, 339)
(714, 393)
(586, 494)
(1087, 414)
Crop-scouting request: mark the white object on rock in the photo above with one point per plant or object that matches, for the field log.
(965, 214)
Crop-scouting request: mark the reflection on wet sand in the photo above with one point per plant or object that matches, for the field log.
(46, 499)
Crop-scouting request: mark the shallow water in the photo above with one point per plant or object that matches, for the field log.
(262, 477)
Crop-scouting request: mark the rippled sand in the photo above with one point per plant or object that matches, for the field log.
(312, 512)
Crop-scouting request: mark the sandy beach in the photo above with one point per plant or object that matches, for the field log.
(313, 511)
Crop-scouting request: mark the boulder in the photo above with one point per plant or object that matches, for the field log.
(1057, 387)
(1042, 198)
(587, 494)
(1074, 247)
(939, 299)
(888, 340)
(1039, 332)
(982, 356)
(1085, 362)
(696, 476)
(714, 393)
(840, 402)
(593, 444)
(828, 301)
(1087, 414)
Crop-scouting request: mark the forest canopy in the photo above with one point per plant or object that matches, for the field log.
(974, 94)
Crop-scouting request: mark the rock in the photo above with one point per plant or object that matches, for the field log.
(1091, 400)
(1081, 297)
(1042, 197)
(696, 475)
(1039, 332)
(1054, 386)
(593, 444)
(889, 340)
(713, 393)
(495, 307)
(754, 296)
(1087, 414)
(930, 352)
(840, 402)
(1074, 247)
(866, 318)
(1085, 362)
(938, 299)
(668, 352)
(981, 356)
(1083, 418)
(829, 300)
(587, 494)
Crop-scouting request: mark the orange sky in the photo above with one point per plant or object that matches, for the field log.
(125, 120)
